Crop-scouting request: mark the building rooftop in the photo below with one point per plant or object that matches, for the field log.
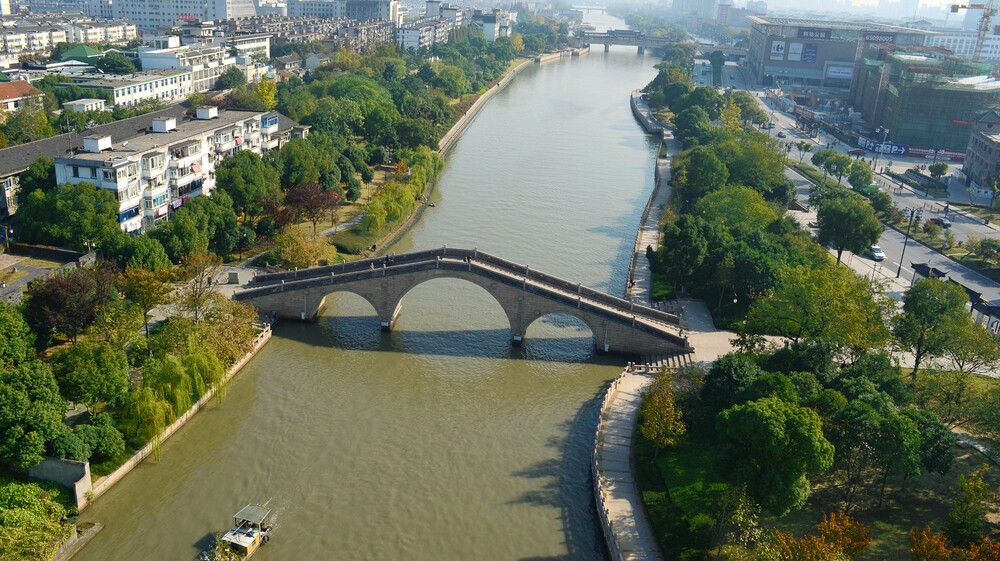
(149, 140)
(91, 79)
(18, 89)
(839, 25)
(17, 158)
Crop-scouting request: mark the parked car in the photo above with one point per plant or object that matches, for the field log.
(942, 222)
(876, 253)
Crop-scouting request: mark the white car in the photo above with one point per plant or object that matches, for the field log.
(876, 253)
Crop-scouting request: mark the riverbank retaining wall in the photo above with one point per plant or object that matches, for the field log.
(106, 483)
(71, 474)
(646, 121)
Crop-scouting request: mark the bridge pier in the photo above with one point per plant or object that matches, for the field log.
(387, 322)
(642, 50)
(607, 47)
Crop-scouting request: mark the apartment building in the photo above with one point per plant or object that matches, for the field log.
(154, 170)
(38, 34)
(423, 34)
(150, 15)
(14, 95)
(358, 10)
(205, 63)
(129, 89)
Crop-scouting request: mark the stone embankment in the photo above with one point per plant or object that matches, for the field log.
(626, 527)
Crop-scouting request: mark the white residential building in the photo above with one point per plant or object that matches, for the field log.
(424, 33)
(359, 10)
(150, 15)
(130, 89)
(85, 104)
(111, 32)
(160, 167)
(206, 63)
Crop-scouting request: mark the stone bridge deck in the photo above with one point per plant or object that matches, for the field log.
(618, 325)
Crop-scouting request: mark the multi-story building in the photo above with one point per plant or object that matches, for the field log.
(493, 24)
(38, 34)
(130, 89)
(352, 9)
(424, 33)
(814, 54)
(982, 156)
(963, 43)
(150, 15)
(15, 95)
(362, 36)
(206, 63)
(85, 104)
(925, 97)
(159, 167)
(90, 8)
(110, 32)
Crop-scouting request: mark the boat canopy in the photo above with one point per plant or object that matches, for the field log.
(254, 514)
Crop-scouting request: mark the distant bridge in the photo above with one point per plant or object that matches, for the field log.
(525, 295)
(600, 9)
(625, 37)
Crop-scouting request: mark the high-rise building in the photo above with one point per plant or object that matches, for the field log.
(359, 10)
(150, 15)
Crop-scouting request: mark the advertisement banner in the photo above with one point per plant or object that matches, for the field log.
(795, 52)
(814, 33)
(778, 50)
(879, 37)
(809, 53)
(941, 155)
(887, 148)
(841, 72)
(803, 112)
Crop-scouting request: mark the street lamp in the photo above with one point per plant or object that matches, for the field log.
(880, 147)
(914, 213)
(7, 231)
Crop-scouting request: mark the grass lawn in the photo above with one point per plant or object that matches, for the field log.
(41, 263)
(7, 276)
(812, 174)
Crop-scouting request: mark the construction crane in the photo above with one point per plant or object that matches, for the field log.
(984, 23)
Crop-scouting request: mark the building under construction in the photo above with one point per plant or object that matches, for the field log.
(923, 96)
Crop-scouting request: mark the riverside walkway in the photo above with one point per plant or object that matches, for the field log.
(623, 517)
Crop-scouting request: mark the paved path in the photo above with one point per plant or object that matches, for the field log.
(627, 530)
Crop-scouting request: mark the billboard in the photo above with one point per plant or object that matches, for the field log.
(795, 52)
(778, 50)
(880, 37)
(887, 148)
(809, 53)
(814, 33)
(840, 72)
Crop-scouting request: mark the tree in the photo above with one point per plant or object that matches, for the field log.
(820, 160)
(233, 77)
(68, 216)
(298, 252)
(832, 304)
(67, 302)
(196, 295)
(849, 223)
(27, 124)
(146, 288)
(937, 170)
(661, 415)
(772, 445)
(40, 175)
(91, 374)
(971, 347)
(116, 63)
(17, 342)
(32, 413)
(698, 173)
(451, 80)
(838, 164)
(861, 175)
(266, 92)
(249, 181)
(929, 307)
(966, 521)
(925, 545)
(138, 251)
(118, 323)
(804, 147)
(312, 202)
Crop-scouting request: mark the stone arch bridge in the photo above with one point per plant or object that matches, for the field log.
(525, 295)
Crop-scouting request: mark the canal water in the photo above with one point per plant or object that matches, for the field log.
(439, 440)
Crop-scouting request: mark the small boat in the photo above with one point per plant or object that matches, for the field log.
(248, 534)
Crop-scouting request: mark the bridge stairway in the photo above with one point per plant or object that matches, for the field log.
(676, 360)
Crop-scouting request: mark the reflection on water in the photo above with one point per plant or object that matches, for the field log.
(439, 440)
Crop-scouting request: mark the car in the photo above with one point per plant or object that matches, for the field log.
(780, 135)
(942, 222)
(876, 253)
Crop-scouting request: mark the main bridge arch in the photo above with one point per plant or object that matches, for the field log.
(524, 296)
